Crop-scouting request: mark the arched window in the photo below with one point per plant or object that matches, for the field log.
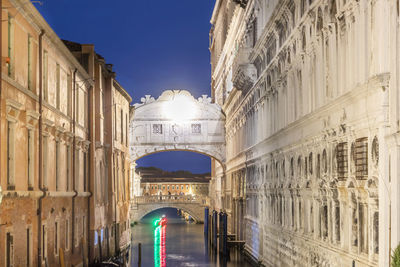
(299, 166)
(302, 7)
(324, 162)
(291, 167)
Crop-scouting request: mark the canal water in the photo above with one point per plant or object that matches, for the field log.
(179, 243)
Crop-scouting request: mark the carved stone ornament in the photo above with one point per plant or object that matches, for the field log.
(47, 126)
(13, 108)
(32, 117)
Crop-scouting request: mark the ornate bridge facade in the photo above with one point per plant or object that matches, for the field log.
(177, 121)
(140, 206)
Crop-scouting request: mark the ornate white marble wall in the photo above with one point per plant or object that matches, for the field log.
(310, 92)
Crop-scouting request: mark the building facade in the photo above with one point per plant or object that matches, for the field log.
(310, 89)
(174, 186)
(48, 140)
(110, 181)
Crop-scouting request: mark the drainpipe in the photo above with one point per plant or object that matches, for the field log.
(73, 159)
(39, 211)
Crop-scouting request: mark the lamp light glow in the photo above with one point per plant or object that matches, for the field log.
(180, 109)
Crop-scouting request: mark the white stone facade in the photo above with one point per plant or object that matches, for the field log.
(177, 121)
(310, 90)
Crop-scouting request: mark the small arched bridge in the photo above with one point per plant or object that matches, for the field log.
(142, 205)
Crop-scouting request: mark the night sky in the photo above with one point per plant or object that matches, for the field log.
(154, 45)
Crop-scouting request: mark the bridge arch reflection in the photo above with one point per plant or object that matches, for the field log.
(193, 205)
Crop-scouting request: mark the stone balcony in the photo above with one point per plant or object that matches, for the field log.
(244, 74)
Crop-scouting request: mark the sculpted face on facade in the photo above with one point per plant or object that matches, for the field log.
(177, 121)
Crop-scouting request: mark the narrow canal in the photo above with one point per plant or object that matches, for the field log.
(179, 243)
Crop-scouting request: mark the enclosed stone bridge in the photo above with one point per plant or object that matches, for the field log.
(193, 205)
(177, 121)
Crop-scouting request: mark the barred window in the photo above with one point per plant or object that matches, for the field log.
(342, 161)
(375, 151)
(291, 167)
(157, 129)
(196, 128)
(361, 158)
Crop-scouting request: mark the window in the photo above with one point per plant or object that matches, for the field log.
(30, 159)
(342, 161)
(69, 94)
(376, 232)
(126, 129)
(173, 187)
(76, 232)
(45, 76)
(157, 129)
(196, 128)
(361, 158)
(44, 243)
(77, 91)
(85, 171)
(337, 222)
(122, 126)
(45, 152)
(324, 221)
(28, 247)
(10, 156)
(85, 110)
(363, 221)
(10, 46)
(56, 239)
(57, 165)
(58, 86)
(182, 187)
(67, 235)
(77, 169)
(30, 62)
(9, 250)
(168, 187)
(115, 122)
(84, 228)
(68, 163)
(187, 187)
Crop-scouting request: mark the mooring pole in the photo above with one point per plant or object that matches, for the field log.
(215, 229)
(221, 232)
(206, 211)
(140, 254)
(225, 235)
